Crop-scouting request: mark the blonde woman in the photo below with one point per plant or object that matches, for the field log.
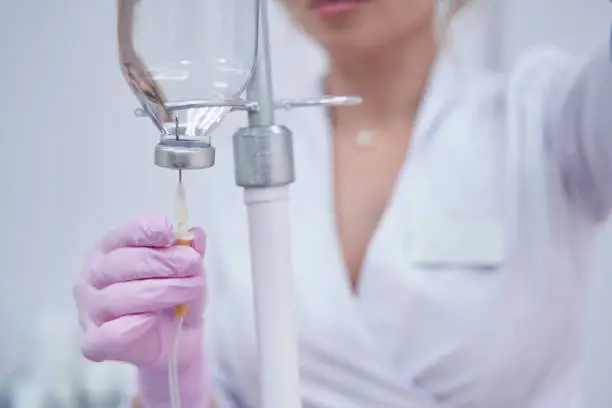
(439, 232)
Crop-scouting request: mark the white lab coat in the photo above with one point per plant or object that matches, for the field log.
(472, 288)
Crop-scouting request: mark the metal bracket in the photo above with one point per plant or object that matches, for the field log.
(251, 106)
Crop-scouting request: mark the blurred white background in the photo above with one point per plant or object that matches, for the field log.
(76, 161)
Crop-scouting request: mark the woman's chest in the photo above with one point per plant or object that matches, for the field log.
(452, 306)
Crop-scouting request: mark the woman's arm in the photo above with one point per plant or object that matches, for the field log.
(578, 129)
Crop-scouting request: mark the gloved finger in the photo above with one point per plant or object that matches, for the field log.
(153, 231)
(128, 264)
(122, 340)
(144, 296)
(199, 242)
(82, 292)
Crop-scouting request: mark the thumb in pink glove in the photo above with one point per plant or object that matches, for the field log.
(125, 297)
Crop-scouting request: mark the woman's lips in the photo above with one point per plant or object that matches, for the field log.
(334, 9)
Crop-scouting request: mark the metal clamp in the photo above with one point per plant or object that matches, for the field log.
(263, 156)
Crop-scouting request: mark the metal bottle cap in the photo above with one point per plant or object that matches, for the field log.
(184, 154)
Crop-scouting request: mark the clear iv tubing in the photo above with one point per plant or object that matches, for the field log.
(173, 381)
(183, 237)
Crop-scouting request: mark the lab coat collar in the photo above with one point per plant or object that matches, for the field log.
(462, 56)
(441, 91)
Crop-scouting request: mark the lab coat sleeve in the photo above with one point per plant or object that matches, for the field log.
(225, 393)
(576, 101)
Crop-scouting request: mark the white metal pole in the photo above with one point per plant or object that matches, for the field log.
(263, 155)
(269, 235)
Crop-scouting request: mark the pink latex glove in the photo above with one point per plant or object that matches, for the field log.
(125, 297)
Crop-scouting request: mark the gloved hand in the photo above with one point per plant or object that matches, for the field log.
(132, 280)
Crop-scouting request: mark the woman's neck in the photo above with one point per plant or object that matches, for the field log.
(391, 82)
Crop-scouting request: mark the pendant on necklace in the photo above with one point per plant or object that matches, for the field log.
(364, 138)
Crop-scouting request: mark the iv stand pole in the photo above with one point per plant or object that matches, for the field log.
(264, 166)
